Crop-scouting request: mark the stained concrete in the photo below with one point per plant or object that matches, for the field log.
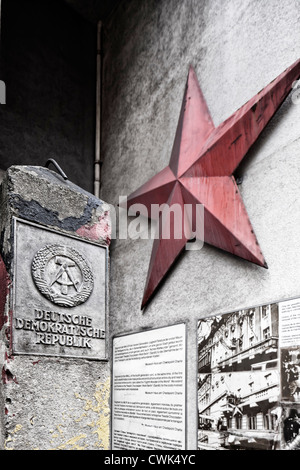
(236, 47)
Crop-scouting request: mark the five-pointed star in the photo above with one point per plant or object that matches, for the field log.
(200, 171)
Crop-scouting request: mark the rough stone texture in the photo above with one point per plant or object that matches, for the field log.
(56, 404)
(237, 47)
(49, 402)
(48, 62)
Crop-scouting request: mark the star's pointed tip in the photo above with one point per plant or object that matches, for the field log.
(191, 70)
(146, 299)
(263, 264)
(144, 302)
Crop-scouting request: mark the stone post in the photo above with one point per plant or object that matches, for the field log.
(55, 371)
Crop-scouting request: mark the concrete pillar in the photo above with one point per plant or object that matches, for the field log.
(55, 365)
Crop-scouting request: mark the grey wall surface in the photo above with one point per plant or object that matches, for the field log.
(236, 47)
(48, 63)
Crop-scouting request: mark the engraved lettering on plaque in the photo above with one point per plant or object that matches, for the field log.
(62, 275)
(60, 294)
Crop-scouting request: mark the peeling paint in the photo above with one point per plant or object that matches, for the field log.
(7, 377)
(6, 243)
(11, 438)
(69, 444)
(100, 406)
(7, 332)
(60, 432)
(94, 418)
(102, 424)
(34, 211)
(98, 231)
(72, 444)
(36, 362)
(4, 291)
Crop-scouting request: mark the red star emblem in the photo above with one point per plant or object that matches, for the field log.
(203, 161)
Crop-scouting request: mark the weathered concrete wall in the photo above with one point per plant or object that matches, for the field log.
(237, 47)
(48, 60)
(49, 402)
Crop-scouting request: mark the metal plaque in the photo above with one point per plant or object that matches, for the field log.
(60, 294)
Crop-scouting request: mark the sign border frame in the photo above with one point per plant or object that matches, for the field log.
(15, 221)
(146, 330)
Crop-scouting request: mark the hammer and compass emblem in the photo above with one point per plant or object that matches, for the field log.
(62, 275)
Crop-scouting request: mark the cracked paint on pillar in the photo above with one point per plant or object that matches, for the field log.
(100, 406)
(94, 420)
(73, 444)
(10, 438)
(4, 291)
(101, 230)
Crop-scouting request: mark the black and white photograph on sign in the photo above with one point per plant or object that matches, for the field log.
(239, 341)
(239, 380)
(149, 390)
(238, 410)
(290, 374)
(291, 427)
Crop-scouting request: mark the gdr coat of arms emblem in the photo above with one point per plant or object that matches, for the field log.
(62, 275)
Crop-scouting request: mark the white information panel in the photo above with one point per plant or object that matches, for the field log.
(289, 323)
(149, 390)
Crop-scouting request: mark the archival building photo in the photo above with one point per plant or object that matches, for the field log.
(150, 228)
(248, 385)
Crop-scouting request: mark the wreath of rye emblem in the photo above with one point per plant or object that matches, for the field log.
(62, 275)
